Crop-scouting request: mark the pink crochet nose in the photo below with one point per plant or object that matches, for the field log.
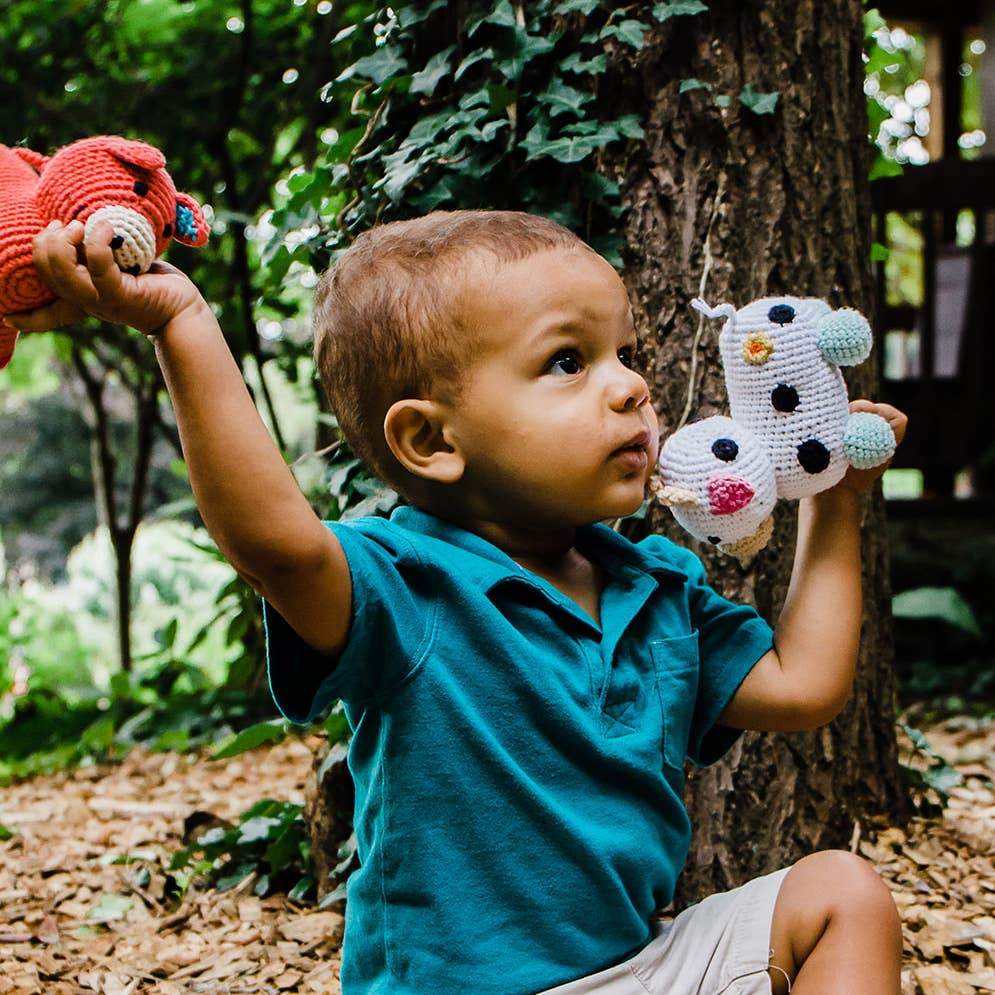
(728, 494)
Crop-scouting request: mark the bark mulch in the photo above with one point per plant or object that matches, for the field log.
(71, 922)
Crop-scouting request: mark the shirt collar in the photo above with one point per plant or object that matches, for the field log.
(619, 556)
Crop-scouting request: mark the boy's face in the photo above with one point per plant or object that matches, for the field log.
(551, 395)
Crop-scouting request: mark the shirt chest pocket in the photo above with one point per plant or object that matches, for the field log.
(676, 663)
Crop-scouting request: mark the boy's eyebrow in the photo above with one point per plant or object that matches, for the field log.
(571, 325)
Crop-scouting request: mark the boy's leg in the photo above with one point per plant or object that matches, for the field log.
(836, 929)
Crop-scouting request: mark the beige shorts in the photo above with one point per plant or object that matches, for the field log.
(719, 946)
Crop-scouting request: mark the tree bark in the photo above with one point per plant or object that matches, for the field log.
(732, 205)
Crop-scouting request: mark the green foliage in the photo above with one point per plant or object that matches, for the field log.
(931, 783)
(888, 71)
(46, 732)
(270, 839)
(759, 103)
(485, 117)
(945, 628)
(942, 603)
(271, 731)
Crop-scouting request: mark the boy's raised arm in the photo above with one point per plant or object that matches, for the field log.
(247, 496)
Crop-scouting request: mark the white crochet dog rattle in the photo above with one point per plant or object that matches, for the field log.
(791, 434)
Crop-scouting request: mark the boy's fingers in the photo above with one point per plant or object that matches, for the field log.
(104, 271)
(56, 262)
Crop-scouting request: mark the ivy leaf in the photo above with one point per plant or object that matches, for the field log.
(678, 8)
(441, 193)
(503, 16)
(426, 130)
(759, 103)
(561, 98)
(382, 64)
(723, 99)
(602, 190)
(397, 178)
(584, 6)
(693, 84)
(629, 126)
(411, 15)
(526, 48)
(572, 149)
(879, 253)
(436, 69)
(628, 31)
(479, 98)
(472, 58)
(574, 63)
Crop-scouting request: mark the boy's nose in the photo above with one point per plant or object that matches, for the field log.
(630, 392)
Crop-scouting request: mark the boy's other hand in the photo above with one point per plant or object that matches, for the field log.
(82, 273)
(861, 481)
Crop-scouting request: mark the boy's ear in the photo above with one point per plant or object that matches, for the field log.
(414, 430)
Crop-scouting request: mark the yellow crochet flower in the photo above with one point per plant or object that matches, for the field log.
(757, 348)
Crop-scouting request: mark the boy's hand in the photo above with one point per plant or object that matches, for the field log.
(86, 279)
(861, 481)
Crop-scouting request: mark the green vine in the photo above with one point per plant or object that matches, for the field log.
(483, 110)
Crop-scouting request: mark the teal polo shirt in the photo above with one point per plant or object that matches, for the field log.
(518, 767)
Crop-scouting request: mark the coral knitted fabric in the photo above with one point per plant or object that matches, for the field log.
(127, 178)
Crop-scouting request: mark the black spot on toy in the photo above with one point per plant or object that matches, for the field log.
(781, 314)
(813, 456)
(784, 397)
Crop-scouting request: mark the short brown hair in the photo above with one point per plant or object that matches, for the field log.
(388, 321)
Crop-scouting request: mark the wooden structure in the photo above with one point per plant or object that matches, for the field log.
(949, 393)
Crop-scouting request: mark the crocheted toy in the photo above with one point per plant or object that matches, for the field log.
(791, 433)
(103, 178)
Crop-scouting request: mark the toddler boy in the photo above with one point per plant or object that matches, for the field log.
(523, 683)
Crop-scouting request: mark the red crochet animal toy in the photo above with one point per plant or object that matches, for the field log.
(106, 177)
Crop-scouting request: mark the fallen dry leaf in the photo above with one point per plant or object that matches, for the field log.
(55, 869)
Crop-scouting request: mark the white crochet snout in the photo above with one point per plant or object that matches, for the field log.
(717, 480)
(134, 240)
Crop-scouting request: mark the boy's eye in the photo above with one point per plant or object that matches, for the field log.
(569, 356)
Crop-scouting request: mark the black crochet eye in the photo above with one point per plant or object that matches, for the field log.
(781, 314)
(725, 449)
(167, 231)
(714, 540)
(784, 397)
(141, 188)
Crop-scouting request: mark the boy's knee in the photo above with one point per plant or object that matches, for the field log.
(849, 884)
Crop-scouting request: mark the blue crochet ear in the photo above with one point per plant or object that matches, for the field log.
(844, 337)
(186, 227)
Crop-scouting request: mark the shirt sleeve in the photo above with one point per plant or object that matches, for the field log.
(391, 625)
(732, 637)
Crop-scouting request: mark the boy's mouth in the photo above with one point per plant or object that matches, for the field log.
(639, 443)
(632, 457)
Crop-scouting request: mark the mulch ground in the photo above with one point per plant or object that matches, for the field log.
(72, 922)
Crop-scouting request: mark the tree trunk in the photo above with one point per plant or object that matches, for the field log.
(732, 205)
